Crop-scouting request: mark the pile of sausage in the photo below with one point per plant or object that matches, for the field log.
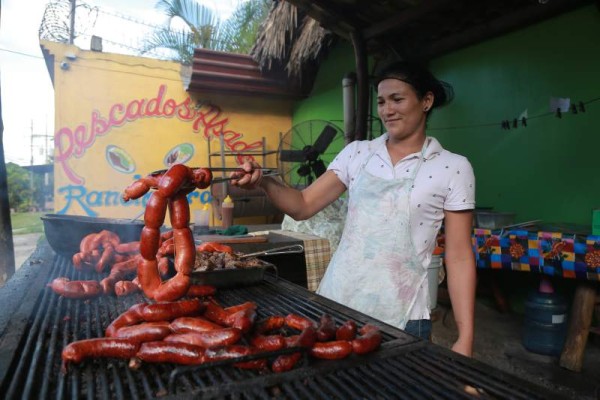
(195, 331)
(170, 192)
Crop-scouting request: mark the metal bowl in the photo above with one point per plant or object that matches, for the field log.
(64, 232)
(233, 277)
(493, 219)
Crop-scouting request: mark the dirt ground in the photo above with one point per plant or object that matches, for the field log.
(498, 343)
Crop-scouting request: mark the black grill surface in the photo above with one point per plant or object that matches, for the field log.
(404, 367)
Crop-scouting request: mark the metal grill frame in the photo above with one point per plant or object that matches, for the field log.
(37, 324)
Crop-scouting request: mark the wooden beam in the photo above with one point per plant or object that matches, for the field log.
(398, 21)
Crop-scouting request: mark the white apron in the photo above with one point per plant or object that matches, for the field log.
(375, 269)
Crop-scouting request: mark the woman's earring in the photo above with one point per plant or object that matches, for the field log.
(426, 109)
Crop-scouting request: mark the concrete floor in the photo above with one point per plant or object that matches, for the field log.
(24, 245)
(498, 343)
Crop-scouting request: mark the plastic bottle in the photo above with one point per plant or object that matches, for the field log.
(202, 220)
(227, 212)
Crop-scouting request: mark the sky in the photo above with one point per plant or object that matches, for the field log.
(26, 89)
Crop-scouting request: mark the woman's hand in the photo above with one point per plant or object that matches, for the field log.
(248, 177)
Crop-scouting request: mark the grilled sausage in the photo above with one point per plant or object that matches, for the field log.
(167, 311)
(285, 362)
(208, 339)
(130, 317)
(201, 291)
(347, 331)
(171, 352)
(193, 324)
(75, 289)
(214, 247)
(334, 350)
(271, 323)
(78, 351)
(125, 288)
(298, 322)
(144, 332)
(326, 330)
(236, 351)
(368, 341)
(268, 342)
(128, 248)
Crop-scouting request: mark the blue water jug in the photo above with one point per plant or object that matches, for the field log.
(545, 323)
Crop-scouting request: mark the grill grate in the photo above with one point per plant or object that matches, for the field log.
(404, 367)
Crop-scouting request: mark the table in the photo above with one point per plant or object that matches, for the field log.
(558, 254)
(306, 269)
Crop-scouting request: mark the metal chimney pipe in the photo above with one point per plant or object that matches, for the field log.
(348, 93)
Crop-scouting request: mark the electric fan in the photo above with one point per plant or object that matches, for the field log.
(306, 150)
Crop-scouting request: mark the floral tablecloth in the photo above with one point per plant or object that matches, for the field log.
(550, 253)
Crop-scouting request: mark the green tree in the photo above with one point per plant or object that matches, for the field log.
(19, 189)
(239, 32)
(204, 29)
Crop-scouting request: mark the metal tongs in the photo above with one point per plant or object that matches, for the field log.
(295, 248)
(266, 172)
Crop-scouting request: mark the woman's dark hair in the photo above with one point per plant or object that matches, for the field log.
(420, 78)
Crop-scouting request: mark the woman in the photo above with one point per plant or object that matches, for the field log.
(401, 186)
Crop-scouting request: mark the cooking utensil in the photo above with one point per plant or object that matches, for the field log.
(231, 239)
(266, 172)
(295, 248)
(233, 277)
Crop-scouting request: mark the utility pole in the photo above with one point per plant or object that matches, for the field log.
(72, 21)
(31, 169)
(7, 249)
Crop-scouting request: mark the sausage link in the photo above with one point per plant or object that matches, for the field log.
(156, 210)
(285, 362)
(271, 323)
(326, 329)
(179, 210)
(368, 341)
(167, 311)
(171, 352)
(78, 351)
(214, 247)
(268, 342)
(202, 177)
(140, 187)
(334, 350)
(125, 288)
(144, 332)
(201, 291)
(298, 322)
(236, 351)
(347, 331)
(307, 338)
(75, 289)
(130, 317)
(128, 248)
(193, 324)
(208, 339)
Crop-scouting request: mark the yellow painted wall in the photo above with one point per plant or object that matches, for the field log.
(121, 117)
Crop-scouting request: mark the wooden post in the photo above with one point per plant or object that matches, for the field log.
(7, 260)
(579, 326)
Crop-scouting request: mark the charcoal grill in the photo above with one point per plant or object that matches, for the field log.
(35, 324)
